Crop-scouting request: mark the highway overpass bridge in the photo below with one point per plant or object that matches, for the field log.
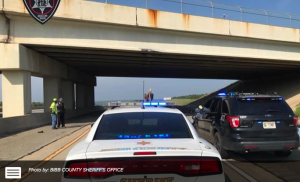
(85, 39)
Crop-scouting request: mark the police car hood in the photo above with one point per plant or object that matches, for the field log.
(127, 147)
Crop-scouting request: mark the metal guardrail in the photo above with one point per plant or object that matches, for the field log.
(219, 10)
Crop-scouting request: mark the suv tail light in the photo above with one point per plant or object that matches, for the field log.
(234, 121)
(186, 167)
(295, 120)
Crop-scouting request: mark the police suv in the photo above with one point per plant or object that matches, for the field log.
(249, 122)
(148, 144)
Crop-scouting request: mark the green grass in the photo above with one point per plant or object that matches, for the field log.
(183, 102)
(193, 96)
(297, 111)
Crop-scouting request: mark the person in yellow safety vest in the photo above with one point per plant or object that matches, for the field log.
(53, 111)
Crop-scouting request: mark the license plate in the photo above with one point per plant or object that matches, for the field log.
(269, 125)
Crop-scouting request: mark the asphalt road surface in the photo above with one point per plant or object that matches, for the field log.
(52, 146)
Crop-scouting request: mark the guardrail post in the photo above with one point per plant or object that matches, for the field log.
(181, 5)
(212, 8)
(290, 19)
(146, 4)
(267, 16)
(241, 13)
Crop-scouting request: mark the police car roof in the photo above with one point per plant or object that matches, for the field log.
(139, 109)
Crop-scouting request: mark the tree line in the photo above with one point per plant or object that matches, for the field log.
(193, 96)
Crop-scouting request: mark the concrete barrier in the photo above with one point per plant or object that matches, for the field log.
(21, 123)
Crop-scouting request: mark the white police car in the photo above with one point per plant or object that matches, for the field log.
(143, 145)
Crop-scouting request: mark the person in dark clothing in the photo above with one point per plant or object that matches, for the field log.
(60, 113)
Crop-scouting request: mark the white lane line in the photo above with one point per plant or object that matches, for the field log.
(245, 175)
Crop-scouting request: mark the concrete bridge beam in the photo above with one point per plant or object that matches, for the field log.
(19, 57)
(16, 93)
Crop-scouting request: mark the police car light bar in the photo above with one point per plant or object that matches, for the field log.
(222, 94)
(154, 103)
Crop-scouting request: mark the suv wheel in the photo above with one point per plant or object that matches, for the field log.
(283, 153)
(218, 144)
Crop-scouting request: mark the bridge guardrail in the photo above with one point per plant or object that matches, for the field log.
(220, 10)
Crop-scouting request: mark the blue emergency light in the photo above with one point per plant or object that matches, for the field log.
(280, 98)
(162, 103)
(143, 136)
(222, 94)
(154, 103)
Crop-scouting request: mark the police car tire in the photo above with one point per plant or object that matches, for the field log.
(283, 153)
(218, 144)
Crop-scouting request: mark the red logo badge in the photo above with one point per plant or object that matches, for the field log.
(41, 10)
(143, 143)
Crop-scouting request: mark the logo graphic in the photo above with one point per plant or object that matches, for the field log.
(143, 143)
(12, 172)
(41, 10)
(268, 115)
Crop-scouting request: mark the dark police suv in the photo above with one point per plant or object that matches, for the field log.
(249, 122)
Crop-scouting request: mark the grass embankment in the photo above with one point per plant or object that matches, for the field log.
(297, 111)
(183, 102)
(187, 99)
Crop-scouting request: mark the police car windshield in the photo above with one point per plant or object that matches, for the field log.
(262, 107)
(137, 125)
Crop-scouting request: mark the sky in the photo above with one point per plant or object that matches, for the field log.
(108, 88)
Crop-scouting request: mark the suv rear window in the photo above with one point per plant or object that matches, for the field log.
(137, 125)
(262, 107)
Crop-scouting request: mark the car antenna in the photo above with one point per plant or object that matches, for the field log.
(143, 107)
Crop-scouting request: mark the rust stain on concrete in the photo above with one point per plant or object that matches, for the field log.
(186, 20)
(295, 31)
(247, 28)
(66, 6)
(152, 17)
(272, 30)
(23, 6)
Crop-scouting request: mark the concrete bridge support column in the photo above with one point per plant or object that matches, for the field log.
(90, 96)
(16, 93)
(67, 91)
(52, 89)
(80, 96)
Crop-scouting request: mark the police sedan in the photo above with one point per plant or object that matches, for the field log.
(143, 145)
